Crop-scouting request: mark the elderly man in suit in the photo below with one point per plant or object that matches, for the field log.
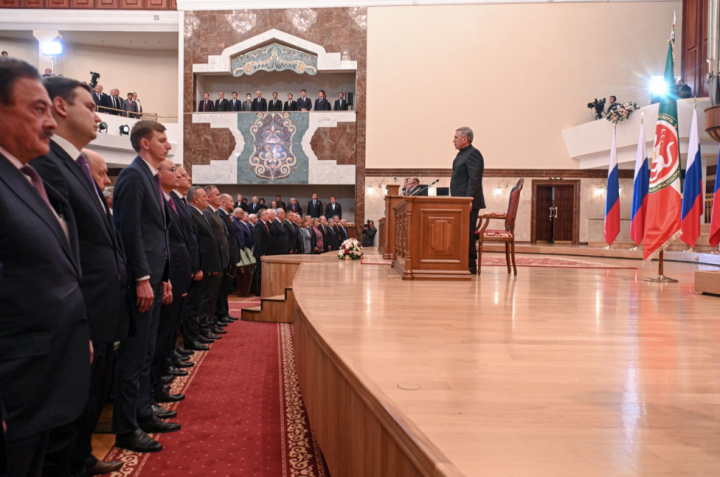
(259, 103)
(314, 208)
(141, 219)
(263, 246)
(212, 292)
(100, 99)
(285, 236)
(413, 187)
(212, 266)
(46, 350)
(222, 313)
(105, 277)
(206, 105)
(190, 330)
(340, 103)
(466, 181)
(295, 207)
(222, 104)
(130, 107)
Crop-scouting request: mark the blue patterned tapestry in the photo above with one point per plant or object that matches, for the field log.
(274, 57)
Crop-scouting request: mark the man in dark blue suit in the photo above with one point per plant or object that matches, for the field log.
(105, 278)
(100, 99)
(466, 181)
(259, 103)
(304, 103)
(314, 208)
(340, 103)
(140, 217)
(222, 312)
(322, 104)
(45, 348)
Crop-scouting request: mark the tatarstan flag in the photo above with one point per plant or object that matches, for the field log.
(664, 202)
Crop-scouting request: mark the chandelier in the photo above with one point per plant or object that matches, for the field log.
(191, 24)
(301, 18)
(242, 20)
(359, 14)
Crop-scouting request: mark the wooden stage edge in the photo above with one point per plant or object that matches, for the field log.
(557, 372)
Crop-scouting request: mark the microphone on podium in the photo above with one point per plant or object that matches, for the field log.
(420, 189)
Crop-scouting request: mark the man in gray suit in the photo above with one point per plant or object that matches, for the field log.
(466, 181)
(130, 106)
(247, 104)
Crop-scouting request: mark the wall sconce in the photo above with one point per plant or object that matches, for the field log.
(124, 130)
(599, 190)
(500, 188)
(372, 184)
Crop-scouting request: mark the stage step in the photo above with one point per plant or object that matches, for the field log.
(272, 309)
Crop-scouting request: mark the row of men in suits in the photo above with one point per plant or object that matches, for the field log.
(259, 103)
(314, 207)
(113, 104)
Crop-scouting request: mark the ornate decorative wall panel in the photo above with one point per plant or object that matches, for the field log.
(275, 57)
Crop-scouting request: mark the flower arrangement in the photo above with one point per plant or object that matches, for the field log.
(350, 250)
(621, 112)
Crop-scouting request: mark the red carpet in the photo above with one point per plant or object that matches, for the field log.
(242, 414)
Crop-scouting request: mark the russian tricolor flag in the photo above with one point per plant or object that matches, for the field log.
(612, 202)
(715, 217)
(692, 202)
(641, 184)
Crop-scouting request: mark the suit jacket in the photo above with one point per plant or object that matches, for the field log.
(316, 210)
(44, 336)
(259, 104)
(234, 105)
(232, 238)
(291, 234)
(208, 243)
(115, 102)
(239, 232)
(275, 105)
(281, 205)
(101, 101)
(322, 104)
(343, 235)
(338, 237)
(273, 238)
(130, 107)
(299, 242)
(105, 276)
(420, 190)
(341, 105)
(249, 236)
(222, 105)
(263, 240)
(247, 106)
(297, 208)
(191, 235)
(139, 216)
(255, 207)
(330, 212)
(284, 242)
(206, 106)
(290, 106)
(220, 233)
(304, 103)
(467, 176)
(181, 264)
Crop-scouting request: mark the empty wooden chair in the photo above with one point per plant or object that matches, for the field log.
(506, 235)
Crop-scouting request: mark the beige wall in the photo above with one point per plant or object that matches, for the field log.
(517, 74)
(26, 50)
(152, 74)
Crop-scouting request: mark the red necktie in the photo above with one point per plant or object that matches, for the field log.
(37, 183)
(83, 162)
(172, 204)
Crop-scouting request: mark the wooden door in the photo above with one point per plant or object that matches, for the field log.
(564, 213)
(543, 222)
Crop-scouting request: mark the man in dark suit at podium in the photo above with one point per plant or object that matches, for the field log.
(466, 181)
(275, 103)
(290, 105)
(235, 104)
(340, 103)
(322, 104)
(413, 187)
(259, 103)
(304, 103)
(315, 208)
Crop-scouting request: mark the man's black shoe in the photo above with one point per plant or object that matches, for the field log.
(183, 351)
(197, 346)
(157, 425)
(210, 335)
(202, 340)
(167, 397)
(218, 331)
(138, 441)
(173, 371)
(167, 379)
(182, 364)
(162, 413)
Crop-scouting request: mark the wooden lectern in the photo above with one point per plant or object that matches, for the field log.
(387, 235)
(432, 238)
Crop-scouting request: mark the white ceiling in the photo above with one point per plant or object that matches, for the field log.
(127, 40)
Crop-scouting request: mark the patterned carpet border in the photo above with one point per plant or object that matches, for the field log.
(300, 451)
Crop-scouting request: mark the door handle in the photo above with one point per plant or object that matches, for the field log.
(556, 211)
(551, 213)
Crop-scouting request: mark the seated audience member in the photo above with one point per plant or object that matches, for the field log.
(304, 103)
(259, 103)
(139, 105)
(275, 103)
(235, 104)
(340, 103)
(247, 105)
(319, 246)
(130, 107)
(290, 105)
(322, 104)
(206, 105)
(333, 208)
(308, 235)
(295, 207)
(222, 104)
(279, 202)
(414, 188)
(315, 208)
(369, 232)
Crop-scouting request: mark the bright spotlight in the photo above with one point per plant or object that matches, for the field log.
(51, 48)
(124, 130)
(658, 87)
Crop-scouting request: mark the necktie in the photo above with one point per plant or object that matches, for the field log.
(172, 204)
(37, 183)
(184, 201)
(83, 162)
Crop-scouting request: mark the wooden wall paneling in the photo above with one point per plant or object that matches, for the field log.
(703, 38)
(33, 3)
(107, 4)
(131, 4)
(173, 4)
(157, 4)
(58, 3)
(82, 4)
(694, 46)
(9, 3)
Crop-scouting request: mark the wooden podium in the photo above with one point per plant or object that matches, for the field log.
(432, 238)
(387, 234)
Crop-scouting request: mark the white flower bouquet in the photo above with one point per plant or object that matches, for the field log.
(350, 250)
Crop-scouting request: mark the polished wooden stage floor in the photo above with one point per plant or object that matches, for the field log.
(557, 372)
